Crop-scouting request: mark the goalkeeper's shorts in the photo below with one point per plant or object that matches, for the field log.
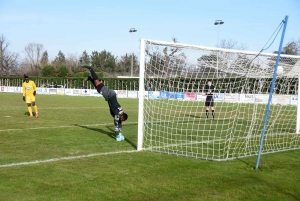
(209, 103)
(30, 99)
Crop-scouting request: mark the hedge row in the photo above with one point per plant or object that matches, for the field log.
(223, 85)
(78, 82)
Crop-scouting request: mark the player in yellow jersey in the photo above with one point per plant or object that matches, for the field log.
(29, 92)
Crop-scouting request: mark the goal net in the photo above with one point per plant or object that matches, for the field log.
(172, 112)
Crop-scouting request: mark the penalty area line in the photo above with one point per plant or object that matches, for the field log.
(64, 158)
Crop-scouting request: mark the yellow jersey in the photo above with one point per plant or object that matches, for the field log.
(28, 88)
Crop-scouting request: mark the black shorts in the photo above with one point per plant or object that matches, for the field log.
(209, 103)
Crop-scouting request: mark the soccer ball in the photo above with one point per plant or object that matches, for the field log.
(279, 70)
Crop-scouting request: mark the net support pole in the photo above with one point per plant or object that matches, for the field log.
(141, 97)
(270, 96)
(298, 104)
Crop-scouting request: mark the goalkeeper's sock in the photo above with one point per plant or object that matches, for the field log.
(213, 113)
(206, 113)
(30, 110)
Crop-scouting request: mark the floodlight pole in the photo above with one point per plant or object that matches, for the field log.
(131, 31)
(218, 22)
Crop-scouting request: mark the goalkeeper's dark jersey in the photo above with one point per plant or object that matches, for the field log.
(208, 90)
(114, 107)
(107, 93)
(111, 97)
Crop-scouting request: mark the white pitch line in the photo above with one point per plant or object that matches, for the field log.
(64, 158)
(55, 127)
(53, 108)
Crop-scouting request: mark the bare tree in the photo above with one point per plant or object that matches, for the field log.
(168, 54)
(231, 44)
(8, 60)
(164, 59)
(291, 48)
(33, 53)
(72, 62)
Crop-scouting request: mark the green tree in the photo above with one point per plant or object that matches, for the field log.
(60, 59)
(85, 58)
(123, 65)
(44, 59)
(63, 71)
(48, 71)
(103, 61)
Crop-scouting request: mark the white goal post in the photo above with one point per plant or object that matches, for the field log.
(172, 116)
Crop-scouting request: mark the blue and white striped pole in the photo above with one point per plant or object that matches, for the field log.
(270, 96)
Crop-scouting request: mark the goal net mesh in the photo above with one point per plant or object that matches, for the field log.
(174, 101)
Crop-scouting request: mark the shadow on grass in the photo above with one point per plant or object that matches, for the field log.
(108, 133)
(247, 163)
(27, 113)
(126, 139)
(99, 130)
(194, 116)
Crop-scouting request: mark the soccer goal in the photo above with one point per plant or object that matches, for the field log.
(172, 112)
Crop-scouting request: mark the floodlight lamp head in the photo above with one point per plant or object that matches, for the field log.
(132, 30)
(217, 22)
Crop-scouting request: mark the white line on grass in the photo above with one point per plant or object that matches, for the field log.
(55, 127)
(73, 126)
(53, 108)
(64, 158)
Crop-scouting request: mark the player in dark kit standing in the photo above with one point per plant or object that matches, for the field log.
(209, 103)
(110, 96)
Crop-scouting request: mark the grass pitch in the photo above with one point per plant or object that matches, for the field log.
(69, 153)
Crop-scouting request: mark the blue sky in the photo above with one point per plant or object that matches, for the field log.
(73, 26)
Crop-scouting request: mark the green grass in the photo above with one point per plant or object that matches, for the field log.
(76, 126)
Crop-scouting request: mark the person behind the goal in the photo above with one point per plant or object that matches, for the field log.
(209, 102)
(110, 96)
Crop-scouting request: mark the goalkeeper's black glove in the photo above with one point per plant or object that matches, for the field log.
(34, 93)
(23, 98)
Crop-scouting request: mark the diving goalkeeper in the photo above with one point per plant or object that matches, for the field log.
(110, 96)
(29, 92)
